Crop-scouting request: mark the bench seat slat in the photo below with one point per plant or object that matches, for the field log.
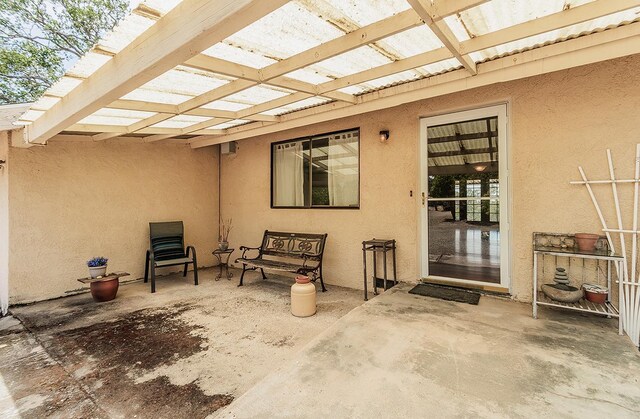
(275, 265)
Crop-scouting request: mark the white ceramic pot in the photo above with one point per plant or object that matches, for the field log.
(96, 271)
(223, 245)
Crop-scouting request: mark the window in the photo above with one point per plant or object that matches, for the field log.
(317, 172)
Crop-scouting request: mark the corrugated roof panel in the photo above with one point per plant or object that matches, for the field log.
(180, 121)
(238, 55)
(287, 31)
(184, 82)
(361, 12)
(308, 75)
(125, 32)
(258, 94)
(124, 113)
(230, 124)
(560, 34)
(360, 59)
(107, 120)
(440, 67)
(156, 96)
(301, 104)
(380, 82)
(226, 105)
(411, 42)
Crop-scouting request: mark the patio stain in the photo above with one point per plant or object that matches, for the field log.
(106, 357)
(36, 385)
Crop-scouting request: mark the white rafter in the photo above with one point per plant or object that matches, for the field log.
(179, 37)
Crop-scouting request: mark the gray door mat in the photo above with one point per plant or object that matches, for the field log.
(448, 293)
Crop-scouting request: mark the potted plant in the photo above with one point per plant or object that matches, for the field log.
(223, 237)
(97, 266)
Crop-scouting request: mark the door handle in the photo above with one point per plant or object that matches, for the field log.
(423, 198)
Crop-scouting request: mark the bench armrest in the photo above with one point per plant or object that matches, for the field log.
(245, 249)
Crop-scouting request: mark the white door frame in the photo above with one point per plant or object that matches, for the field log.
(503, 167)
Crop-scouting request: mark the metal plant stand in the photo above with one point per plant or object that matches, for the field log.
(223, 264)
(563, 247)
(376, 246)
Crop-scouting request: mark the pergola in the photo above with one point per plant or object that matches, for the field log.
(207, 72)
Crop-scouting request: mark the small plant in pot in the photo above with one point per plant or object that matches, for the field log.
(223, 237)
(97, 266)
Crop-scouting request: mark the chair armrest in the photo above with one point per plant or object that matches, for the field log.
(192, 250)
(245, 249)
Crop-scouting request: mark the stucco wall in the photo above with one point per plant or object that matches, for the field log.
(4, 220)
(71, 201)
(557, 122)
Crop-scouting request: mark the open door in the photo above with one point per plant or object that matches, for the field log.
(464, 213)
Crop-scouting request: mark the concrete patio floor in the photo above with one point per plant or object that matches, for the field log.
(220, 351)
(182, 352)
(408, 356)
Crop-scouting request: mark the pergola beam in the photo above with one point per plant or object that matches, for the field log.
(601, 46)
(228, 68)
(191, 27)
(426, 10)
(554, 21)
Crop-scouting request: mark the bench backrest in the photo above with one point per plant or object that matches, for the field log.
(293, 245)
(167, 240)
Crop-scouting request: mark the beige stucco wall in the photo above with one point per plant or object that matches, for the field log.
(556, 121)
(4, 216)
(71, 201)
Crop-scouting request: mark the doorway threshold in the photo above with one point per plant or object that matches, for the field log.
(491, 289)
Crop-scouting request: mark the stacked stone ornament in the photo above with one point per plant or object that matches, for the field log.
(561, 291)
(561, 279)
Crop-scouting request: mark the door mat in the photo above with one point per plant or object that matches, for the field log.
(446, 293)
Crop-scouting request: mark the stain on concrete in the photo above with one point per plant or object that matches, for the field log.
(129, 346)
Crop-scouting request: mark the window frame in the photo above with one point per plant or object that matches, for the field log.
(310, 138)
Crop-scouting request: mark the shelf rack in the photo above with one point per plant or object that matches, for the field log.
(564, 246)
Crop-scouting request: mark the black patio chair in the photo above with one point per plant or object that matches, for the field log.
(166, 248)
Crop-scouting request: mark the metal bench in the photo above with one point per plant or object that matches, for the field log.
(299, 253)
(166, 248)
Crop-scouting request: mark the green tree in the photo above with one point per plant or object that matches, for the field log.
(39, 38)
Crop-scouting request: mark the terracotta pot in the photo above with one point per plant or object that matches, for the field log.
(595, 297)
(586, 241)
(105, 290)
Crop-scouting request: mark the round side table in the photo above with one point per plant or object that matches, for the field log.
(223, 262)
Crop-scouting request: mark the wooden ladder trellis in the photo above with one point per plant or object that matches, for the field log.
(630, 301)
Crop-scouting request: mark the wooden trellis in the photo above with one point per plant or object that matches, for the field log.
(630, 277)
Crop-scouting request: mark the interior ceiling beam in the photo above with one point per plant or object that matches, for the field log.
(601, 46)
(461, 137)
(426, 10)
(464, 152)
(188, 29)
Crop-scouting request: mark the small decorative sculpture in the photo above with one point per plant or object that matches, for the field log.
(561, 291)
